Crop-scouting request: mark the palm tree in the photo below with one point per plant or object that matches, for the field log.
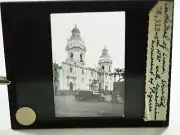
(118, 86)
(120, 72)
(113, 74)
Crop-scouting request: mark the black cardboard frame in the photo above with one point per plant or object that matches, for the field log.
(28, 56)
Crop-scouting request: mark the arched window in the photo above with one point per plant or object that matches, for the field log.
(81, 60)
(72, 55)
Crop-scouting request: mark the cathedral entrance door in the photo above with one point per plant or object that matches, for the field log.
(71, 86)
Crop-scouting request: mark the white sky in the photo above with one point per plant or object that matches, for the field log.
(97, 30)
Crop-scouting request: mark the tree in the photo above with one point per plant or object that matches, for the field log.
(119, 72)
(119, 86)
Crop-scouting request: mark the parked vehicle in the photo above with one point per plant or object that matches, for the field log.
(85, 95)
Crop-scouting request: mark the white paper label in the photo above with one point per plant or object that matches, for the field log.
(158, 61)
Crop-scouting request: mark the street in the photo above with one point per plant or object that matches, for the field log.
(68, 106)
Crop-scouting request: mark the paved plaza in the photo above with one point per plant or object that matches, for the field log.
(68, 106)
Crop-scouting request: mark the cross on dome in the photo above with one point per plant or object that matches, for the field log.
(75, 30)
(104, 52)
(75, 26)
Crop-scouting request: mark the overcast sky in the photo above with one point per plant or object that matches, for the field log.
(97, 30)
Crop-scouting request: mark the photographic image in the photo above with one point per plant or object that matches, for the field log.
(88, 53)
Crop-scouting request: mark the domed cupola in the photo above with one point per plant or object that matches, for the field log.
(75, 40)
(105, 61)
(105, 58)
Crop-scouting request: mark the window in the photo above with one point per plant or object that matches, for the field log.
(82, 71)
(103, 67)
(82, 79)
(106, 76)
(109, 68)
(71, 69)
(81, 60)
(72, 55)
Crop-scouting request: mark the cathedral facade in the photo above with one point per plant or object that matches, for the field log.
(73, 74)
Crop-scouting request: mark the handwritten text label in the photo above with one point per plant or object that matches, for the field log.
(158, 61)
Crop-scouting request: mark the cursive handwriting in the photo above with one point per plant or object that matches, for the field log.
(159, 41)
(150, 96)
(151, 81)
(162, 99)
(166, 21)
(152, 59)
(157, 75)
(164, 63)
(164, 46)
(158, 55)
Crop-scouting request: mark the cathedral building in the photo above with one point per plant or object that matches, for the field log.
(73, 74)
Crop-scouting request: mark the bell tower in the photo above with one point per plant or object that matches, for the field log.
(105, 62)
(76, 48)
